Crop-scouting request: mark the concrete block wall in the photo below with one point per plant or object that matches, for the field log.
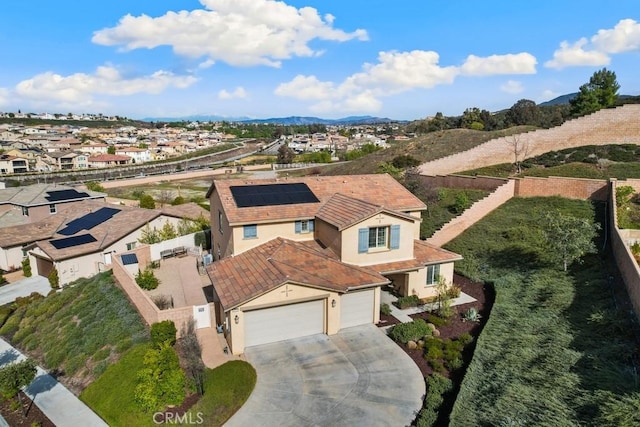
(572, 188)
(486, 183)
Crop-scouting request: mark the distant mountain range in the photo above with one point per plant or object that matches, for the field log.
(565, 99)
(292, 120)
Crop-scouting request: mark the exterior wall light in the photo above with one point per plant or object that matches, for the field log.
(236, 319)
(333, 303)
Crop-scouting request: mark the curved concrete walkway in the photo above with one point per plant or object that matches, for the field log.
(61, 406)
(23, 288)
(356, 377)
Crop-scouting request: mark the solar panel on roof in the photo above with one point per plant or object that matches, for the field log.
(272, 194)
(58, 195)
(68, 242)
(89, 221)
(128, 259)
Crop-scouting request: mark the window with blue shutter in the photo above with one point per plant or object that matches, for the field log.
(395, 237)
(304, 226)
(250, 231)
(298, 227)
(363, 240)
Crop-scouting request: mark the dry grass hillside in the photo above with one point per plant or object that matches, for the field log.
(611, 126)
(425, 148)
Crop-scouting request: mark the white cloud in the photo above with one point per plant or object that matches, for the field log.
(4, 96)
(512, 86)
(238, 32)
(238, 92)
(81, 88)
(518, 63)
(596, 51)
(396, 72)
(548, 95)
(624, 37)
(574, 55)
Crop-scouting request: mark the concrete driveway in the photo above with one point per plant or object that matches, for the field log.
(356, 377)
(23, 288)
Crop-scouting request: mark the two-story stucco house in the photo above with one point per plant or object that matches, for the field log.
(309, 255)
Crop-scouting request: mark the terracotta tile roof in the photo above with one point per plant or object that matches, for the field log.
(344, 211)
(427, 253)
(109, 158)
(378, 189)
(126, 221)
(186, 210)
(424, 254)
(259, 270)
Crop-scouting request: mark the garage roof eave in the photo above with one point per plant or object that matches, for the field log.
(370, 285)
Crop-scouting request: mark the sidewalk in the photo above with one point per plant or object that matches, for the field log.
(404, 315)
(61, 406)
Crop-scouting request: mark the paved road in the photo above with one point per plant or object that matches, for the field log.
(357, 377)
(23, 288)
(61, 406)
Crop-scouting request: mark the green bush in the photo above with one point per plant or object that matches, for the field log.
(161, 382)
(26, 267)
(412, 331)
(385, 309)
(162, 332)
(465, 338)
(5, 312)
(54, 279)
(147, 279)
(408, 301)
(436, 320)
(437, 366)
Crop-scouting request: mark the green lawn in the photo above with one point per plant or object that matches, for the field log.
(227, 387)
(79, 330)
(555, 350)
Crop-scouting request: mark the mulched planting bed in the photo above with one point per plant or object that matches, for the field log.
(387, 320)
(456, 326)
(14, 417)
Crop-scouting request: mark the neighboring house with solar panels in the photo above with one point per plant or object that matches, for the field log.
(309, 255)
(85, 238)
(32, 203)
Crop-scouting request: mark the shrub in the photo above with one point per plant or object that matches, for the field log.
(54, 279)
(437, 365)
(412, 331)
(461, 204)
(161, 382)
(26, 267)
(465, 338)
(163, 302)
(433, 349)
(454, 291)
(471, 315)
(408, 301)
(147, 280)
(385, 309)
(436, 320)
(147, 202)
(162, 332)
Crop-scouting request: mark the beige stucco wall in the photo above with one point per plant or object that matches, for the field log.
(349, 250)
(221, 241)
(10, 258)
(76, 268)
(266, 232)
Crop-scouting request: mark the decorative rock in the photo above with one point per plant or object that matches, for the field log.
(411, 345)
(431, 326)
(436, 333)
(420, 343)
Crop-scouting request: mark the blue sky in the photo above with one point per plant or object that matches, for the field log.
(328, 58)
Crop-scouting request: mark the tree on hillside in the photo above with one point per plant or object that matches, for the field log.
(520, 150)
(147, 202)
(111, 149)
(600, 92)
(523, 112)
(15, 376)
(569, 238)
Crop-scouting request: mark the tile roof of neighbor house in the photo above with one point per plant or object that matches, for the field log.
(378, 189)
(257, 271)
(36, 194)
(186, 210)
(124, 222)
(344, 211)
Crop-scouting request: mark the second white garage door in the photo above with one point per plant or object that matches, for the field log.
(356, 308)
(284, 322)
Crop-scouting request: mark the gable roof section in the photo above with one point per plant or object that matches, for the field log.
(259, 270)
(344, 211)
(378, 189)
(40, 194)
(427, 253)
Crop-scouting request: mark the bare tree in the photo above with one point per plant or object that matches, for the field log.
(165, 197)
(520, 149)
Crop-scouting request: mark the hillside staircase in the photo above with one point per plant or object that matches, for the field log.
(619, 125)
(473, 214)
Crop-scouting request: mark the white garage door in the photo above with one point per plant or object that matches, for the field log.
(284, 322)
(356, 308)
